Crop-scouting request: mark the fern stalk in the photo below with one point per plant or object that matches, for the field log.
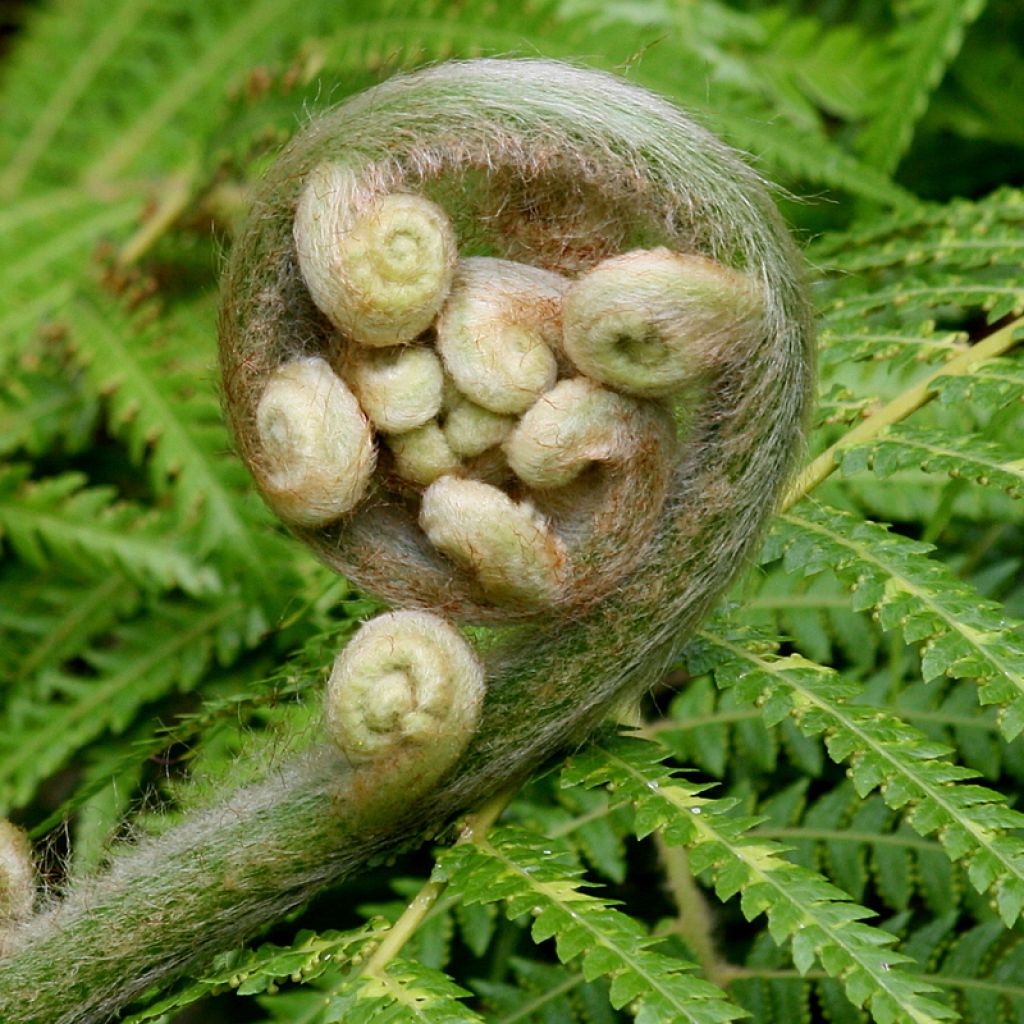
(912, 399)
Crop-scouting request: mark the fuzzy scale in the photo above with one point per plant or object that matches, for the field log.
(573, 166)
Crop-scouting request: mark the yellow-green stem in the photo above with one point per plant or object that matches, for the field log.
(475, 827)
(996, 344)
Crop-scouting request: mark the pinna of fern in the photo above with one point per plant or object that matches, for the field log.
(440, 185)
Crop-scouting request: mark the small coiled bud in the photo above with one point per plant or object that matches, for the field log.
(398, 388)
(653, 321)
(498, 330)
(470, 429)
(379, 266)
(575, 424)
(422, 455)
(317, 450)
(403, 700)
(517, 560)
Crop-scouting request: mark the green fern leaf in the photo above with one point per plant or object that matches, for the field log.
(166, 408)
(59, 521)
(998, 297)
(993, 238)
(897, 348)
(405, 993)
(544, 994)
(962, 457)
(819, 162)
(819, 920)
(60, 70)
(992, 385)
(879, 242)
(49, 618)
(43, 407)
(105, 94)
(538, 876)
(910, 771)
(930, 38)
(170, 648)
(962, 634)
(309, 957)
(46, 244)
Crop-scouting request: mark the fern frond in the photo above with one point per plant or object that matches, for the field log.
(60, 521)
(48, 618)
(910, 771)
(879, 242)
(134, 90)
(1000, 296)
(57, 37)
(928, 40)
(991, 386)
(406, 991)
(821, 162)
(161, 399)
(852, 838)
(818, 919)
(45, 252)
(981, 966)
(538, 876)
(962, 635)
(897, 348)
(764, 104)
(43, 406)
(248, 972)
(169, 648)
(544, 992)
(988, 241)
(989, 463)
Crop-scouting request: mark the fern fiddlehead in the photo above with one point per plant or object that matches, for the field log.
(587, 499)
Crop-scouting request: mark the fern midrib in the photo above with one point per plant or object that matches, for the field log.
(408, 999)
(830, 835)
(903, 296)
(928, 251)
(550, 892)
(71, 87)
(975, 638)
(950, 981)
(1014, 468)
(935, 349)
(740, 852)
(753, 714)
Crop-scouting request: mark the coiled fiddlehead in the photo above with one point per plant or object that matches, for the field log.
(655, 304)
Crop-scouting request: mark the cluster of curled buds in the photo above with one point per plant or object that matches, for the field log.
(515, 344)
(529, 418)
